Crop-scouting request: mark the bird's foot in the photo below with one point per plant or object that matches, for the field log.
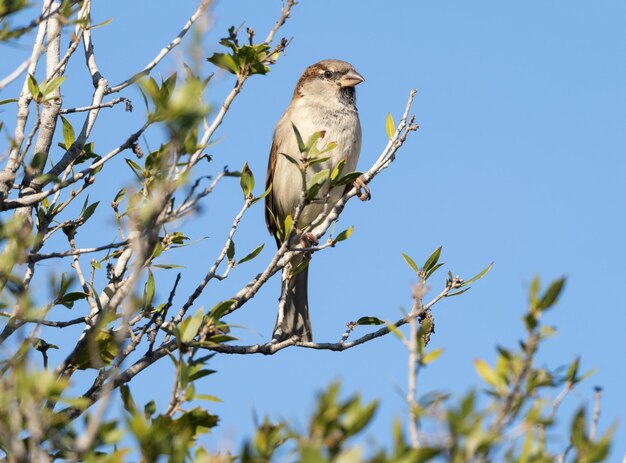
(362, 191)
(308, 240)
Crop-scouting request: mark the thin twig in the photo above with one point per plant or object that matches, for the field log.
(271, 348)
(164, 52)
(15, 74)
(414, 361)
(53, 324)
(7, 175)
(220, 258)
(37, 197)
(75, 252)
(285, 12)
(597, 397)
(108, 104)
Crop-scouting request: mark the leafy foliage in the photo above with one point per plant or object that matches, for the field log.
(119, 297)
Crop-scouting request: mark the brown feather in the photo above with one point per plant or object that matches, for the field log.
(270, 208)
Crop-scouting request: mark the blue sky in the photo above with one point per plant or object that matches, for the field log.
(520, 159)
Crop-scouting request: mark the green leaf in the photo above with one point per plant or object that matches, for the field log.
(65, 284)
(149, 409)
(600, 450)
(312, 192)
(587, 375)
(158, 249)
(252, 255)
(486, 372)
(432, 260)
(8, 100)
(42, 346)
(304, 263)
(288, 226)
(209, 398)
(101, 351)
(411, 263)
(68, 299)
(368, 320)
(127, 400)
(291, 160)
(479, 276)
(220, 309)
(578, 432)
(103, 23)
(433, 270)
(224, 61)
(265, 193)
(33, 88)
(190, 326)
(329, 147)
(230, 252)
(53, 85)
(314, 161)
(246, 181)
(534, 292)
(350, 177)
(394, 329)
(344, 235)
(150, 289)
(68, 133)
(319, 178)
(88, 212)
(572, 371)
(551, 295)
(312, 140)
(456, 293)
(336, 172)
(358, 417)
(120, 194)
(432, 356)
(38, 161)
(390, 126)
(167, 266)
(301, 145)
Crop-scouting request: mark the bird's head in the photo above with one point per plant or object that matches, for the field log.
(329, 78)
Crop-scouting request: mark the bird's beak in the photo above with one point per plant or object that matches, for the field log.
(351, 79)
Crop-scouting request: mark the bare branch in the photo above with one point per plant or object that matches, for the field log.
(36, 197)
(241, 79)
(53, 324)
(75, 252)
(220, 258)
(271, 348)
(15, 74)
(414, 361)
(7, 175)
(597, 397)
(163, 53)
(285, 12)
(108, 104)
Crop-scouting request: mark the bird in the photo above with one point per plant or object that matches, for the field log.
(323, 101)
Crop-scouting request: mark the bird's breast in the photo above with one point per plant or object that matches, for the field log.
(340, 127)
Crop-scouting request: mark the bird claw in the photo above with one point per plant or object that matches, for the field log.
(362, 191)
(308, 240)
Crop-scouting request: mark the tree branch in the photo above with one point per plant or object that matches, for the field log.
(164, 52)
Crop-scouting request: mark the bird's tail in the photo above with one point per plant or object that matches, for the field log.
(294, 319)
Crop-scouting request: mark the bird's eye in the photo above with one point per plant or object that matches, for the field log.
(328, 74)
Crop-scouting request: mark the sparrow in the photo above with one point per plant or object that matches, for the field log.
(324, 101)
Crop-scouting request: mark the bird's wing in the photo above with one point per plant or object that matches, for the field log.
(270, 207)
